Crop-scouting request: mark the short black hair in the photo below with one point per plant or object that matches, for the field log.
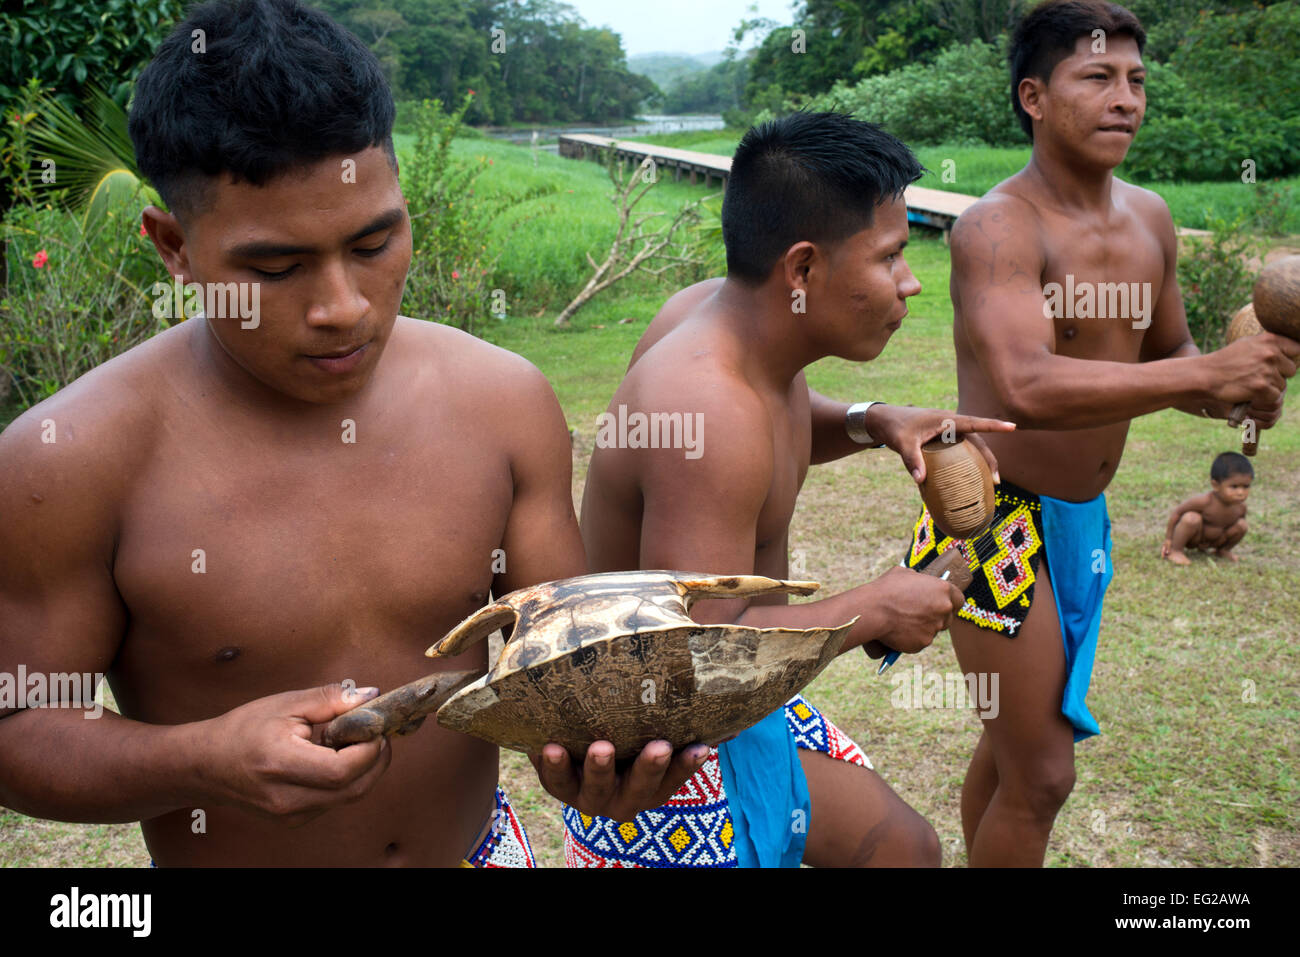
(814, 177)
(277, 86)
(1228, 464)
(1047, 34)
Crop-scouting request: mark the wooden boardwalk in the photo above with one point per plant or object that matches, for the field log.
(938, 208)
(931, 207)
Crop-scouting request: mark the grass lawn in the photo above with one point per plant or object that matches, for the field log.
(1197, 670)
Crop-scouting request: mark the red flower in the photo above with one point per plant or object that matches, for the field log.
(143, 231)
(454, 274)
(471, 92)
(40, 259)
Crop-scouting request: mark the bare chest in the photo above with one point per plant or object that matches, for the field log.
(282, 565)
(1101, 284)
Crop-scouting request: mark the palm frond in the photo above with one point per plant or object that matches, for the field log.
(88, 148)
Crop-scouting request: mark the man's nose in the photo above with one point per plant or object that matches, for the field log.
(337, 301)
(1124, 100)
(910, 285)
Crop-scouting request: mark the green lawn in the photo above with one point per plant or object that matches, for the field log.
(1197, 671)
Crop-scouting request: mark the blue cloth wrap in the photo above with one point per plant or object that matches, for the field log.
(1076, 537)
(767, 792)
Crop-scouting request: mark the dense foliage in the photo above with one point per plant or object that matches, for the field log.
(1227, 98)
(958, 99)
(530, 61)
(67, 43)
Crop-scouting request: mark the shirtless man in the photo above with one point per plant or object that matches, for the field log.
(244, 506)
(1215, 519)
(813, 215)
(1071, 370)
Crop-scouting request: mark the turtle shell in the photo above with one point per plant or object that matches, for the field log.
(617, 657)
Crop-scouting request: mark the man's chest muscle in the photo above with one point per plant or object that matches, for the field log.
(281, 554)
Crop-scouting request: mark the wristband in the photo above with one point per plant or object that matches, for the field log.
(855, 424)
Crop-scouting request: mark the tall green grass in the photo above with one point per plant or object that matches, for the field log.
(544, 242)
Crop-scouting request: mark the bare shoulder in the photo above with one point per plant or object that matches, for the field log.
(69, 463)
(698, 378)
(93, 433)
(1004, 212)
(1149, 206)
(679, 306)
(452, 363)
(998, 249)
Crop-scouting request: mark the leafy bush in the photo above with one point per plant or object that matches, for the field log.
(962, 98)
(1215, 280)
(1206, 137)
(77, 294)
(65, 43)
(1230, 93)
(1274, 207)
(78, 288)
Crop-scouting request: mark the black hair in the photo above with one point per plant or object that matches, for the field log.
(814, 177)
(1228, 464)
(1048, 33)
(268, 87)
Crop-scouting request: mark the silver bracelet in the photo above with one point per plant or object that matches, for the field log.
(855, 424)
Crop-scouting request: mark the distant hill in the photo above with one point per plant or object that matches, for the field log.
(666, 68)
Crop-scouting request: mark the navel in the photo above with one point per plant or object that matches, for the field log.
(229, 653)
(1069, 333)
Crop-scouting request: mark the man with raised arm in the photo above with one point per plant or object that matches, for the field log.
(1068, 321)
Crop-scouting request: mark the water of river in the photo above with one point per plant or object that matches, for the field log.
(644, 126)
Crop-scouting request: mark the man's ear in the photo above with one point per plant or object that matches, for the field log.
(1030, 91)
(169, 239)
(797, 264)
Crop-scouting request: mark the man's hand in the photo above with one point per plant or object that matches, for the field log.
(595, 789)
(1165, 547)
(916, 607)
(905, 429)
(1254, 370)
(260, 757)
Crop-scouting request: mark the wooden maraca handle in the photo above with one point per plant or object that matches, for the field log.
(1244, 323)
(400, 711)
(954, 563)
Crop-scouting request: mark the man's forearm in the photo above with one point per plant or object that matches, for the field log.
(830, 439)
(1060, 393)
(57, 764)
(826, 613)
(1205, 407)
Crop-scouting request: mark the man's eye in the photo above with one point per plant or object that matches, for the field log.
(274, 276)
(373, 250)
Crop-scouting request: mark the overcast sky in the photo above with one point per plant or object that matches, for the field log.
(676, 26)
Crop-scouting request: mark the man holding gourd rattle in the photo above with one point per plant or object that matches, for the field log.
(1072, 379)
